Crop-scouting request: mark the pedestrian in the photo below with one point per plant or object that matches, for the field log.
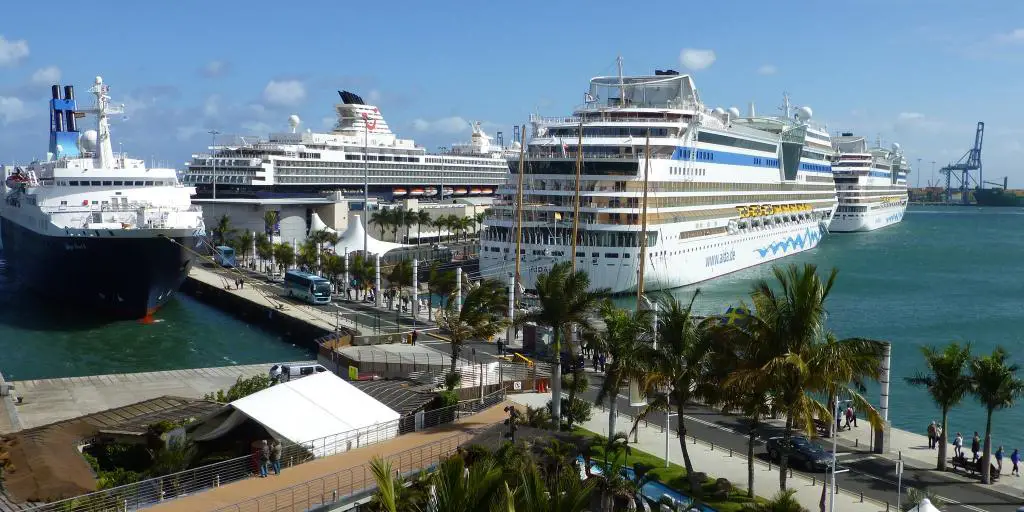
(938, 434)
(241, 283)
(603, 360)
(415, 336)
(264, 458)
(853, 415)
(958, 445)
(501, 346)
(932, 437)
(1015, 459)
(593, 360)
(846, 414)
(275, 457)
(975, 447)
(999, 460)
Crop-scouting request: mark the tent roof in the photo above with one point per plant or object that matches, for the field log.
(313, 407)
(352, 239)
(925, 506)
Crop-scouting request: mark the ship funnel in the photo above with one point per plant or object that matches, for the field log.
(69, 92)
(752, 113)
(55, 91)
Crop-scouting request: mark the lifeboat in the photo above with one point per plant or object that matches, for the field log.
(399, 192)
(488, 191)
(430, 192)
(16, 180)
(461, 191)
(416, 192)
(475, 191)
(448, 191)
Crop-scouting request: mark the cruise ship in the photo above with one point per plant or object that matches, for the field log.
(360, 149)
(871, 184)
(724, 192)
(95, 228)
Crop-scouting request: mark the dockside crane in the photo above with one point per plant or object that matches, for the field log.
(961, 170)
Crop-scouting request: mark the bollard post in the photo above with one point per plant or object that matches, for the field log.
(730, 452)
(712, 446)
(216, 480)
(334, 496)
(862, 496)
(900, 455)
(814, 480)
(856, 442)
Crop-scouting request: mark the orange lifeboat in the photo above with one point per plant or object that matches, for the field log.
(461, 191)
(399, 192)
(416, 192)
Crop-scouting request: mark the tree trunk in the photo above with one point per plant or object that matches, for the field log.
(613, 411)
(986, 459)
(696, 491)
(751, 438)
(941, 466)
(784, 456)
(455, 353)
(576, 375)
(556, 379)
(419, 236)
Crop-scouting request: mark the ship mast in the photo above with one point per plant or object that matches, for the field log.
(576, 201)
(622, 82)
(519, 208)
(105, 152)
(643, 226)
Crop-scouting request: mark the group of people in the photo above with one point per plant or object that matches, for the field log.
(267, 456)
(935, 437)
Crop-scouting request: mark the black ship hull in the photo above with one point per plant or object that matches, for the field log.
(117, 278)
(996, 197)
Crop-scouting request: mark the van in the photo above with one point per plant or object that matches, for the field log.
(291, 371)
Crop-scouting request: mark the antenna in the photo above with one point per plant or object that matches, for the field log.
(622, 82)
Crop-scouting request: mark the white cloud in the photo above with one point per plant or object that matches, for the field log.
(1014, 36)
(284, 93)
(12, 109)
(767, 69)
(452, 124)
(184, 133)
(211, 108)
(257, 128)
(695, 59)
(910, 116)
(11, 52)
(46, 76)
(215, 68)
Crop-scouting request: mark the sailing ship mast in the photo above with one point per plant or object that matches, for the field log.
(576, 201)
(643, 226)
(519, 208)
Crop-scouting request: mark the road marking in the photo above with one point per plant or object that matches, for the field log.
(696, 420)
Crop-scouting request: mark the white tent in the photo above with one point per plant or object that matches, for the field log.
(322, 411)
(925, 506)
(352, 239)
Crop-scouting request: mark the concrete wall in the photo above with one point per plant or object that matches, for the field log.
(249, 217)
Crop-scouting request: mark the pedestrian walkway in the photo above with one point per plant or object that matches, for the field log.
(717, 463)
(913, 450)
(320, 481)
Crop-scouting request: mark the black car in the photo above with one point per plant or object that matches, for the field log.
(803, 453)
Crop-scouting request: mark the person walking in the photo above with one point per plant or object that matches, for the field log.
(932, 436)
(958, 445)
(264, 458)
(275, 457)
(975, 447)
(1015, 459)
(999, 460)
(415, 336)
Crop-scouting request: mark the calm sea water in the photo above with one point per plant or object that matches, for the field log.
(38, 342)
(943, 274)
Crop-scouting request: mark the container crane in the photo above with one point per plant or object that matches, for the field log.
(961, 170)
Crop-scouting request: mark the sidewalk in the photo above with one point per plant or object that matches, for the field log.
(913, 449)
(716, 463)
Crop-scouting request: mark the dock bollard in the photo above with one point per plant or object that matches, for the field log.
(856, 442)
(334, 496)
(216, 480)
(901, 454)
(712, 446)
(862, 496)
(730, 452)
(814, 480)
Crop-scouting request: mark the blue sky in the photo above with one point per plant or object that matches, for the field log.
(918, 73)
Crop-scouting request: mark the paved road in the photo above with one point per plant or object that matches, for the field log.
(874, 475)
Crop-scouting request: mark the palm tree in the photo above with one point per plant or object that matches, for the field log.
(440, 283)
(222, 233)
(245, 244)
(363, 271)
(777, 335)
(947, 382)
(996, 386)
(393, 494)
(679, 367)
(421, 217)
(382, 218)
(333, 266)
(482, 315)
(565, 301)
(611, 483)
(400, 277)
(559, 492)
(627, 339)
(459, 490)
(264, 248)
(308, 252)
(284, 253)
(783, 501)
(398, 221)
(270, 219)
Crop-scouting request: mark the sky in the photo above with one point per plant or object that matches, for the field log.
(918, 73)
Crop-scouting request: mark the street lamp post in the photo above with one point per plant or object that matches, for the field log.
(918, 173)
(366, 184)
(213, 159)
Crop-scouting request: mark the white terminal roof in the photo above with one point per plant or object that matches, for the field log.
(313, 407)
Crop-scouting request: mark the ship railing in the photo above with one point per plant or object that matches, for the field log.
(153, 491)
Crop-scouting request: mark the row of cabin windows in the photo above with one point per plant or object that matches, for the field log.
(119, 183)
(608, 131)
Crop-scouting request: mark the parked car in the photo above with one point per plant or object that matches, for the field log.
(803, 453)
(290, 371)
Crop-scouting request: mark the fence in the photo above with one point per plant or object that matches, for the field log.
(145, 493)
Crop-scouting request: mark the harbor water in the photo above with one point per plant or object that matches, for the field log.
(943, 274)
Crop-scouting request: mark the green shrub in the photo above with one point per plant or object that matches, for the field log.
(240, 389)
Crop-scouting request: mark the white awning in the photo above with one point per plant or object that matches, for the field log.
(322, 410)
(352, 239)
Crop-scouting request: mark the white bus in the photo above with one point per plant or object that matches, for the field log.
(308, 287)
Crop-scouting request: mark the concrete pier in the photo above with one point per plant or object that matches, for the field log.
(49, 400)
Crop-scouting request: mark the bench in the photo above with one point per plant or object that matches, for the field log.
(972, 468)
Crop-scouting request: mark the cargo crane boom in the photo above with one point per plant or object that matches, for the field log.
(961, 169)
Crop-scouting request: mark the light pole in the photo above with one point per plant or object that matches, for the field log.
(366, 184)
(213, 159)
(918, 173)
(933, 173)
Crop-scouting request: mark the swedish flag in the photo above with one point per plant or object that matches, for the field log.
(735, 316)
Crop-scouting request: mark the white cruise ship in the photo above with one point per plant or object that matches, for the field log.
(297, 163)
(723, 194)
(871, 184)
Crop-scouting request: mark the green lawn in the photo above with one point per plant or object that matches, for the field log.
(674, 476)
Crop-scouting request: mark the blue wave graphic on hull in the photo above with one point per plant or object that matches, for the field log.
(808, 238)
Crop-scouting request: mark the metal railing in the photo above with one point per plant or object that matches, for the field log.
(152, 491)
